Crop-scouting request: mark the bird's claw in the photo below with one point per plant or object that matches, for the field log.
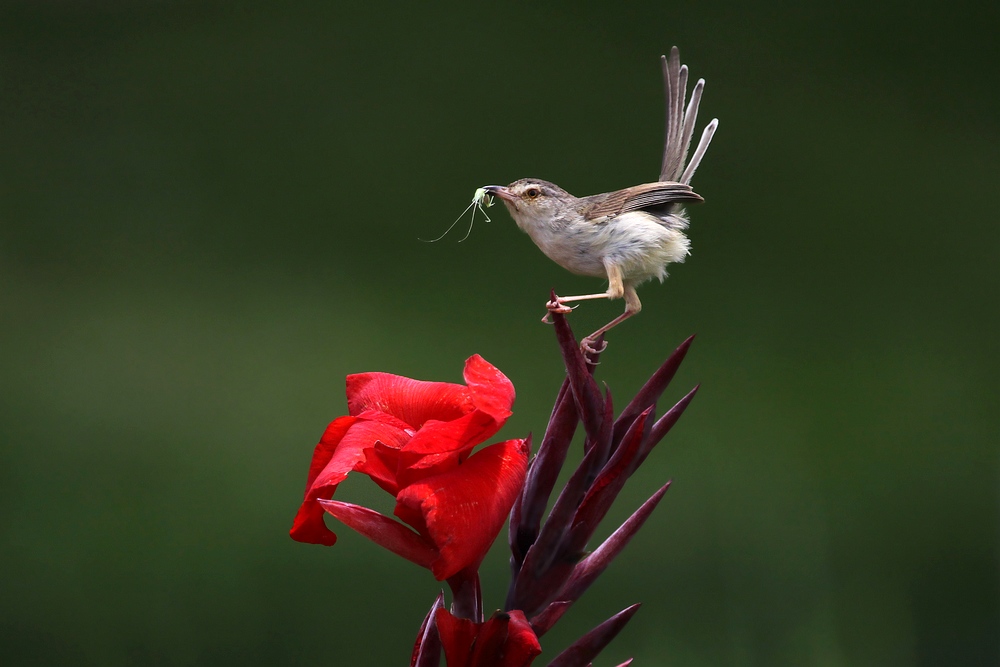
(592, 345)
(557, 306)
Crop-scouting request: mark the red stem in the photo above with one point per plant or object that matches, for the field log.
(467, 595)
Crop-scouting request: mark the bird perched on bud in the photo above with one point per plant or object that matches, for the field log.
(628, 236)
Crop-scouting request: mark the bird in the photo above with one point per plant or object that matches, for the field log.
(628, 236)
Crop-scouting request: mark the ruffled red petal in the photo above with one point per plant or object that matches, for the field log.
(381, 463)
(339, 451)
(463, 433)
(413, 401)
(401, 431)
(491, 391)
(461, 511)
(416, 401)
(440, 445)
(327, 445)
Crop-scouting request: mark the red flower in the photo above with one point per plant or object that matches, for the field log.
(505, 640)
(414, 439)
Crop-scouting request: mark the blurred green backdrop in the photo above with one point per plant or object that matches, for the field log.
(209, 215)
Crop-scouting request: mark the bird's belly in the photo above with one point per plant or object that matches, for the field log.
(636, 242)
(574, 252)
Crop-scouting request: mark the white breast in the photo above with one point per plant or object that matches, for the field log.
(637, 242)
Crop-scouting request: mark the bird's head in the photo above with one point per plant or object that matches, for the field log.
(532, 201)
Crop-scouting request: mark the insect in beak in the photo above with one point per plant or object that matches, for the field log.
(479, 199)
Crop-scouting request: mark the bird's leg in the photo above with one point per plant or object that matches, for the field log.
(558, 306)
(615, 291)
(632, 306)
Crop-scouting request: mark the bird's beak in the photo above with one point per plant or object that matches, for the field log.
(500, 191)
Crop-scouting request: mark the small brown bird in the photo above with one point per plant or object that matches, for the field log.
(630, 235)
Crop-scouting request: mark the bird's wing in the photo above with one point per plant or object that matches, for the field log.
(680, 122)
(638, 197)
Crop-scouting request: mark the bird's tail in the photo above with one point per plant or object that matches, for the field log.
(680, 122)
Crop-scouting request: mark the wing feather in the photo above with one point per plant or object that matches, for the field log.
(637, 198)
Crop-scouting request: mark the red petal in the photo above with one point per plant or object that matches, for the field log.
(522, 643)
(363, 435)
(383, 531)
(506, 640)
(491, 391)
(308, 524)
(339, 451)
(458, 434)
(327, 445)
(416, 401)
(457, 636)
(413, 401)
(439, 446)
(385, 418)
(464, 509)
(381, 463)
(493, 395)
(427, 648)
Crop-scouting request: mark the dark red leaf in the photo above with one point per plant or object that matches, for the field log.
(586, 648)
(588, 397)
(544, 471)
(548, 617)
(606, 486)
(662, 426)
(587, 570)
(650, 392)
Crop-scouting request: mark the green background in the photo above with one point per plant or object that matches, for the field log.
(209, 215)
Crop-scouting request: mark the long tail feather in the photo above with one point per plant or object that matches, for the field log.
(706, 139)
(680, 122)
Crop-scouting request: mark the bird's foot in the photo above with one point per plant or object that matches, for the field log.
(556, 306)
(593, 345)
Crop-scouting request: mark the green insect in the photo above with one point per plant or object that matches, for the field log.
(479, 200)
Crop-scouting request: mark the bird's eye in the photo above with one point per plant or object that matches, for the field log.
(532, 193)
